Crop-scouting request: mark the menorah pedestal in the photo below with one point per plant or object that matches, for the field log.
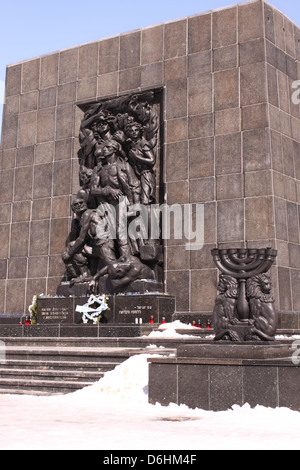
(244, 294)
(242, 304)
(237, 333)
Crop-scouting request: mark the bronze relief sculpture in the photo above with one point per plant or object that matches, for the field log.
(117, 173)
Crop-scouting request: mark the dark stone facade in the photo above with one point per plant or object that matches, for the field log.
(231, 140)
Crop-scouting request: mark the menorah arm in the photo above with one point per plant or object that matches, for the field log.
(253, 265)
(234, 257)
(237, 267)
(264, 267)
(225, 270)
(227, 263)
(232, 261)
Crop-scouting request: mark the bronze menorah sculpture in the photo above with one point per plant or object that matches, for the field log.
(246, 297)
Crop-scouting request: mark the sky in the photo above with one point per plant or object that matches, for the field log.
(31, 28)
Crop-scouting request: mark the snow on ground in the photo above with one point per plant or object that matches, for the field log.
(114, 414)
(170, 330)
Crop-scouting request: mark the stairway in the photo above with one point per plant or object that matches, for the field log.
(47, 366)
(61, 365)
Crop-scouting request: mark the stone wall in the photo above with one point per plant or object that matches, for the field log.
(231, 142)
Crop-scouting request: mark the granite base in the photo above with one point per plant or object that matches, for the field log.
(75, 331)
(123, 309)
(213, 377)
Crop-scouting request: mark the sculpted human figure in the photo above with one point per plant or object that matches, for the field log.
(87, 138)
(85, 176)
(96, 129)
(122, 272)
(142, 159)
(89, 241)
(114, 178)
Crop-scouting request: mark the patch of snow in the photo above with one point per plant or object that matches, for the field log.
(114, 414)
(169, 330)
(177, 324)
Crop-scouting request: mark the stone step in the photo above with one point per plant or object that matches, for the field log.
(98, 343)
(51, 374)
(46, 366)
(49, 386)
(61, 342)
(19, 391)
(69, 354)
(57, 365)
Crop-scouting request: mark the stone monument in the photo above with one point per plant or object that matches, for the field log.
(198, 115)
(198, 111)
(114, 246)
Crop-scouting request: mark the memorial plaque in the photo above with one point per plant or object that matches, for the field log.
(133, 309)
(143, 308)
(55, 310)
